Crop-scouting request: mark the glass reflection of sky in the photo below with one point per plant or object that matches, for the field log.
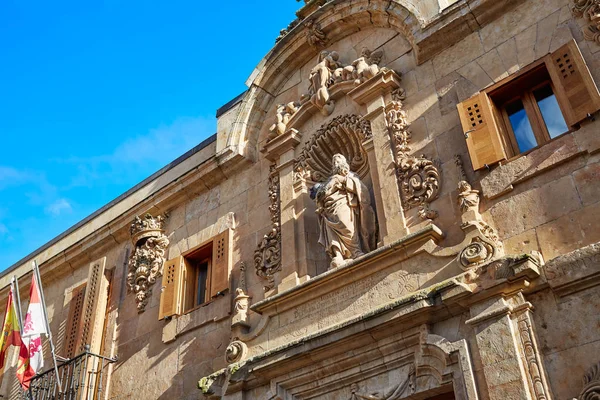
(521, 126)
(550, 111)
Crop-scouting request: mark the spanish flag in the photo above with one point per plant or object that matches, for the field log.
(11, 334)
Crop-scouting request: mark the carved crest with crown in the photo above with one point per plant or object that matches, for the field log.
(147, 259)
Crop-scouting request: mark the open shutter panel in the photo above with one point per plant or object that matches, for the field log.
(221, 263)
(575, 88)
(481, 131)
(73, 320)
(94, 308)
(171, 290)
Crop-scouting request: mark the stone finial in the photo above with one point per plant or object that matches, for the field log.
(241, 302)
(146, 261)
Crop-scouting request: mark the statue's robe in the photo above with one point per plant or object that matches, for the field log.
(346, 219)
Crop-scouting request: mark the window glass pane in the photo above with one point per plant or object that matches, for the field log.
(551, 113)
(521, 126)
(201, 284)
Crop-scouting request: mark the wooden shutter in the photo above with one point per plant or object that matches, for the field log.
(221, 263)
(94, 307)
(575, 88)
(171, 290)
(73, 321)
(483, 137)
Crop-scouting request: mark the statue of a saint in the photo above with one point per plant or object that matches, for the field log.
(346, 219)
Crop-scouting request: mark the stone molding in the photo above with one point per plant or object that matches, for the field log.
(267, 256)
(147, 259)
(574, 271)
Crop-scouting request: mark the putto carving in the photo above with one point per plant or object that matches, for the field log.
(401, 390)
(241, 302)
(321, 78)
(590, 11)
(591, 384)
(419, 178)
(363, 68)
(485, 242)
(146, 261)
(284, 114)
(267, 257)
(315, 36)
(346, 219)
(344, 133)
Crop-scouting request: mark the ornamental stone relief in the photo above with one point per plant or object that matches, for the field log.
(591, 384)
(267, 257)
(590, 11)
(418, 177)
(344, 135)
(347, 228)
(146, 261)
(398, 391)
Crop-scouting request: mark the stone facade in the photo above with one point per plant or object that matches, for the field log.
(482, 284)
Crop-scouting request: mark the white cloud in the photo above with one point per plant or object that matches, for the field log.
(58, 207)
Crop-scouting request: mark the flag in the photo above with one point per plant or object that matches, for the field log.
(11, 334)
(31, 357)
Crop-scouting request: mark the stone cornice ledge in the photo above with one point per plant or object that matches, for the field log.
(307, 291)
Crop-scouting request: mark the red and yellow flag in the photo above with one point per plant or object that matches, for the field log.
(11, 334)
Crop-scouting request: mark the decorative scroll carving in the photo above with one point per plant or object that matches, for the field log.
(419, 177)
(485, 242)
(346, 219)
(315, 36)
(146, 261)
(590, 11)
(284, 114)
(531, 357)
(267, 257)
(591, 384)
(241, 302)
(344, 135)
(401, 390)
(236, 351)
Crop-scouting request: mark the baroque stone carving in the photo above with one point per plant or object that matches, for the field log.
(418, 177)
(267, 257)
(241, 302)
(591, 384)
(287, 30)
(284, 114)
(321, 78)
(344, 134)
(396, 392)
(485, 242)
(346, 219)
(315, 36)
(363, 68)
(531, 357)
(236, 351)
(590, 11)
(146, 261)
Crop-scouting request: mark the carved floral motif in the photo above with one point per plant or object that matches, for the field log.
(418, 177)
(267, 257)
(146, 261)
(591, 384)
(590, 11)
(347, 130)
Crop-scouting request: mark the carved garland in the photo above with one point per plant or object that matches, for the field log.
(590, 11)
(335, 137)
(267, 257)
(418, 177)
(146, 261)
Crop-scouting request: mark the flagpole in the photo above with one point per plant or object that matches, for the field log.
(15, 287)
(36, 272)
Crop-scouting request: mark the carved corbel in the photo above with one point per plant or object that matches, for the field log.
(146, 260)
(267, 257)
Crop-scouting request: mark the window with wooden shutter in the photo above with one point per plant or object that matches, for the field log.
(221, 263)
(171, 290)
(575, 88)
(94, 308)
(73, 320)
(481, 131)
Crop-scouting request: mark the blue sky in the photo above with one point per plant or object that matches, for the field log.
(96, 96)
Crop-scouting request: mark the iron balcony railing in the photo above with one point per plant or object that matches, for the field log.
(81, 377)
